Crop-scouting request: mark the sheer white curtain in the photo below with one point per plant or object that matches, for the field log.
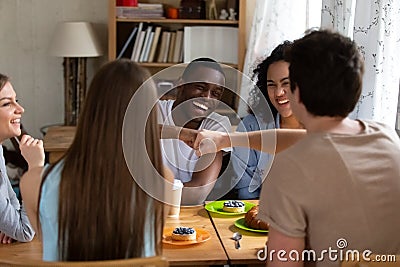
(339, 15)
(375, 27)
(275, 21)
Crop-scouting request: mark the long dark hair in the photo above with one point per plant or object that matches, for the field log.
(256, 106)
(101, 208)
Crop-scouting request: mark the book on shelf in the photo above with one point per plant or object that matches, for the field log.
(150, 5)
(135, 46)
(138, 51)
(171, 47)
(145, 44)
(222, 43)
(143, 10)
(178, 47)
(181, 55)
(166, 50)
(154, 44)
(127, 43)
(146, 57)
(163, 45)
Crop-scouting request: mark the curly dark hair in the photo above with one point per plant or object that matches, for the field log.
(256, 105)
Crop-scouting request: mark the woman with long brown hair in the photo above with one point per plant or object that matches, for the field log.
(14, 222)
(90, 206)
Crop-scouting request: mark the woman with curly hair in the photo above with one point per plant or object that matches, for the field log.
(269, 94)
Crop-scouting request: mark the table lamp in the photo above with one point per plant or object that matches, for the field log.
(75, 42)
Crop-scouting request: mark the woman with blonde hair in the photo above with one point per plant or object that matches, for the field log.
(90, 206)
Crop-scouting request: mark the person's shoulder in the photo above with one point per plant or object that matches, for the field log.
(53, 175)
(371, 126)
(374, 129)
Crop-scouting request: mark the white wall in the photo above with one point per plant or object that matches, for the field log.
(26, 28)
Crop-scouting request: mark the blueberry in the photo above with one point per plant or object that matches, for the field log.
(233, 203)
(183, 230)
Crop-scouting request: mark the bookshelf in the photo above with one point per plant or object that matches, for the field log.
(120, 29)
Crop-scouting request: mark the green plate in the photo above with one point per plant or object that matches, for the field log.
(241, 224)
(217, 206)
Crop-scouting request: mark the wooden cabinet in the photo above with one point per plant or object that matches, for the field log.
(119, 30)
(57, 141)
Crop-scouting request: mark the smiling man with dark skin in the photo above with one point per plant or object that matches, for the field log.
(198, 94)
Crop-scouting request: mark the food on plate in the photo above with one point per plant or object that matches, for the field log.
(184, 234)
(251, 220)
(233, 206)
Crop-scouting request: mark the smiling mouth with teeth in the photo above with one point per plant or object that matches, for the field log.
(281, 102)
(199, 105)
(16, 121)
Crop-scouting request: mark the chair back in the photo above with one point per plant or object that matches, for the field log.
(156, 261)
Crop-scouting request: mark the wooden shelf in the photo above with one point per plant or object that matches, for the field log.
(115, 23)
(181, 21)
(120, 28)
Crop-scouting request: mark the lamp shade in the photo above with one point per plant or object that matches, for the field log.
(75, 39)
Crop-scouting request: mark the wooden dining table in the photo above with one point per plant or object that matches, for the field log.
(210, 252)
(250, 244)
(219, 249)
